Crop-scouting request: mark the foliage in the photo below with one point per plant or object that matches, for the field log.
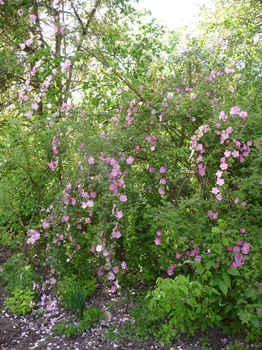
(63, 328)
(133, 331)
(20, 283)
(21, 301)
(181, 305)
(18, 274)
(237, 346)
(90, 317)
(74, 294)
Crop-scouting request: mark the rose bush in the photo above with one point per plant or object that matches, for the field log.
(156, 179)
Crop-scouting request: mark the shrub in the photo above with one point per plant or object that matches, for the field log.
(21, 301)
(19, 274)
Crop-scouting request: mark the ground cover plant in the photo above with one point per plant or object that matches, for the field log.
(132, 156)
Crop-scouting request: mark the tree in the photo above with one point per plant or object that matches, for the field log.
(71, 51)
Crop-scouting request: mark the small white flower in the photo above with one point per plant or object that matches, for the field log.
(99, 248)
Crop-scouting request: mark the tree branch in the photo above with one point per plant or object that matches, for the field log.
(84, 31)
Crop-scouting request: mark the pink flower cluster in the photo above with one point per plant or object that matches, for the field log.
(229, 70)
(194, 253)
(34, 236)
(23, 94)
(164, 103)
(91, 160)
(225, 134)
(238, 251)
(67, 199)
(115, 232)
(47, 302)
(158, 239)
(237, 111)
(116, 177)
(32, 19)
(199, 149)
(152, 140)
(162, 180)
(212, 75)
(109, 268)
(130, 111)
(233, 111)
(170, 270)
(241, 150)
(53, 164)
(130, 160)
(212, 215)
(27, 42)
(47, 82)
(67, 64)
(55, 143)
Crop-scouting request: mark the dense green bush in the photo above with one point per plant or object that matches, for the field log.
(19, 274)
(21, 283)
(21, 301)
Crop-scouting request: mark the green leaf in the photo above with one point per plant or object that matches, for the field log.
(225, 241)
(222, 224)
(216, 231)
(199, 309)
(209, 264)
(226, 279)
(85, 86)
(223, 287)
(216, 280)
(214, 247)
(183, 288)
(229, 307)
(200, 270)
(168, 308)
(233, 272)
(192, 302)
(203, 326)
(182, 328)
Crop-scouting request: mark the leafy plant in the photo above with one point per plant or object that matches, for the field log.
(181, 305)
(90, 317)
(21, 301)
(77, 300)
(185, 305)
(237, 346)
(74, 294)
(18, 274)
(64, 328)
